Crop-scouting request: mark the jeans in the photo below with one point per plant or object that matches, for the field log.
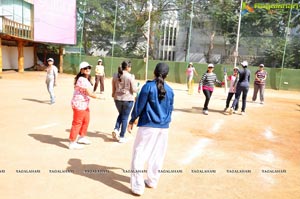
(239, 91)
(124, 109)
(50, 88)
(229, 97)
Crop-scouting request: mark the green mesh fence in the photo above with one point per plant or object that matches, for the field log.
(282, 79)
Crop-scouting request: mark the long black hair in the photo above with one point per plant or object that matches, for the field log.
(161, 71)
(89, 77)
(122, 67)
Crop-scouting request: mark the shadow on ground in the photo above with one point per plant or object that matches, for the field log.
(107, 137)
(49, 139)
(100, 173)
(196, 110)
(36, 100)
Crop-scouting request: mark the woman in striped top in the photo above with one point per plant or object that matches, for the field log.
(206, 84)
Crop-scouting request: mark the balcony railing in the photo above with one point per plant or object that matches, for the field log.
(16, 29)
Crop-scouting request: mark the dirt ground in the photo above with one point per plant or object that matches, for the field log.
(209, 156)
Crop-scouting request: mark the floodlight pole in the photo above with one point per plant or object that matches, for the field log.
(287, 31)
(190, 33)
(83, 18)
(148, 42)
(113, 42)
(236, 53)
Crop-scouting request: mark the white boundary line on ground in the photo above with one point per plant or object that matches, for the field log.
(45, 126)
(216, 127)
(197, 150)
(268, 134)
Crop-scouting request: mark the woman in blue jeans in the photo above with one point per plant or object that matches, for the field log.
(123, 87)
(242, 87)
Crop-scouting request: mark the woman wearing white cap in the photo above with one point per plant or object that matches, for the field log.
(51, 78)
(99, 76)
(242, 87)
(260, 83)
(206, 84)
(83, 90)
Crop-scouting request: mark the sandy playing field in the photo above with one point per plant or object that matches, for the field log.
(215, 156)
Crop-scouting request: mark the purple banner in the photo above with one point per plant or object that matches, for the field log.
(55, 21)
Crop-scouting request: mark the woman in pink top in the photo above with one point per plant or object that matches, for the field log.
(232, 88)
(190, 74)
(83, 90)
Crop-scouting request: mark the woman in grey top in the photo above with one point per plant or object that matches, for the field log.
(51, 79)
(206, 84)
(242, 86)
(123, 87)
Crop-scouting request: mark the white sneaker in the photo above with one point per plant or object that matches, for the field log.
(115, 134)
(205, 112)
(242, 113)
(122, 140)
(136, 193)
(261, 102)
(75, 145)
(83, 140)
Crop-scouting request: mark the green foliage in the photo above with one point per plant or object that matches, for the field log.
(262, 31)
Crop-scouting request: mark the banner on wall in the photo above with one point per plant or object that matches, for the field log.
(55, 21)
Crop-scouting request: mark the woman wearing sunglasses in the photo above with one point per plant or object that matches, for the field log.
(83, 90)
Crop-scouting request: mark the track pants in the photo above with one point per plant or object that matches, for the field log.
(149, 147)
(99, 78)
(261, 89)
(50, 88)
(80, 123)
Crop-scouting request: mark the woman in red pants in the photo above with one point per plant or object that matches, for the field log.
(83, 90)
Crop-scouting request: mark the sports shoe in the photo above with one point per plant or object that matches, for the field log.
(147, 185)
(231, 111)
(225, 109)
(122, 140)
(83, 140)
(136, 193)
(114, 134)
(242, 113)
(261, 102)
(75, 145)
